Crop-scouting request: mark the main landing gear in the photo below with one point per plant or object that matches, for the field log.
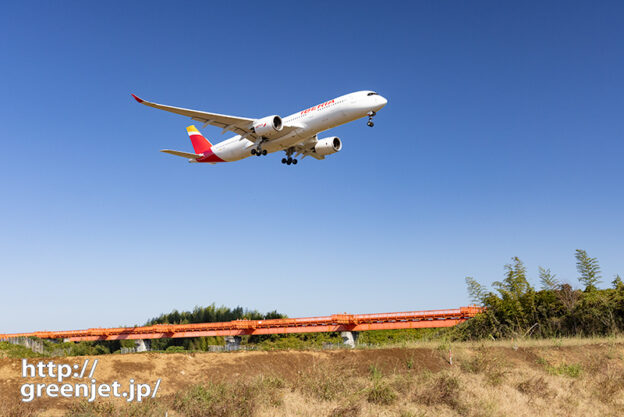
(258, 149)
(370, 118)
(289, 159)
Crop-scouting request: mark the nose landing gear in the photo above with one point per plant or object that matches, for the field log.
(371, 114)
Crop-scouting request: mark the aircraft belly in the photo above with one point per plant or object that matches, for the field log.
(234, 151)
(284, 142)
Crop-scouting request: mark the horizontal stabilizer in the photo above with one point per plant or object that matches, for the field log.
(182, 154)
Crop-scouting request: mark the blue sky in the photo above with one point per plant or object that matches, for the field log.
(503, 136)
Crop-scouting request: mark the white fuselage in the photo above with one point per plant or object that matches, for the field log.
(309, 122)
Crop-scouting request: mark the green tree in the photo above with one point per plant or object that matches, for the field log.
(517, 310)
(476, 291)
(588, 269)
(515, 283)
(548, 280)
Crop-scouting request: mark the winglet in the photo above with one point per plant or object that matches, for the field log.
(136, 98)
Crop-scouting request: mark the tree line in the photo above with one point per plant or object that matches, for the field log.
(209, 314)
(516, 309)
(212, 314)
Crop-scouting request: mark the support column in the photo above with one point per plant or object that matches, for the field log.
(232, 342)
(349, 338)
(142, 345)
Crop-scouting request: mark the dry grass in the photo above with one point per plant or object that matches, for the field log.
(381, 394)
(535, 387)
(110, 409)
(609, 387)
(485, 361)
(324, 382)
(443, 389)
(505, 343)
(240, 398)
(349, 410)
(16, 408)
(570, 377)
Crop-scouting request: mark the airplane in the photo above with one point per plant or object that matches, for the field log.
(296, 134)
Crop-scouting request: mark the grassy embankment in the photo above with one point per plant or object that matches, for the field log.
(533, 377)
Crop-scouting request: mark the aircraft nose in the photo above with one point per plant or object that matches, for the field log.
(379, 102)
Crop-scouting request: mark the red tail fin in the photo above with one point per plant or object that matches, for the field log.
(200, 143)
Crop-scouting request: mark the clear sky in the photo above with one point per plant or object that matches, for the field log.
(503, 136)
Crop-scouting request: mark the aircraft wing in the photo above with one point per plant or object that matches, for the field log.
(239, 125)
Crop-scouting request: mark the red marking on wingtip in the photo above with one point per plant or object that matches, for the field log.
(136, 98)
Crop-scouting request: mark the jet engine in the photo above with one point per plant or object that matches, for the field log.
(268, 126)
(328, 146)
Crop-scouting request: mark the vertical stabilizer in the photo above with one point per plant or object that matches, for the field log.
(200, 143)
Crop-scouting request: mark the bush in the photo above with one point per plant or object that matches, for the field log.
(10, 350)
(573, 371)
(175, 349)
(381, 394)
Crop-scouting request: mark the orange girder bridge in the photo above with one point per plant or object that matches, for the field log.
(333, 323)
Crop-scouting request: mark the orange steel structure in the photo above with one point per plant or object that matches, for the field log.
(333, 323)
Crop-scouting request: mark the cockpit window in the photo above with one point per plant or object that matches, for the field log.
(371, 94)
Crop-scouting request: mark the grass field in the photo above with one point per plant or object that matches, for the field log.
(556, 377)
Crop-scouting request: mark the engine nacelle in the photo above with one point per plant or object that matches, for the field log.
(328, 146)
(268, 126)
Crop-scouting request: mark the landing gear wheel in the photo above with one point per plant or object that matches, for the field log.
(294, 162)
(264, 152)
(289, 160)
(253, 151)
(371, 114)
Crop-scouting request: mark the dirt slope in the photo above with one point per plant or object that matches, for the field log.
(492, 374)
